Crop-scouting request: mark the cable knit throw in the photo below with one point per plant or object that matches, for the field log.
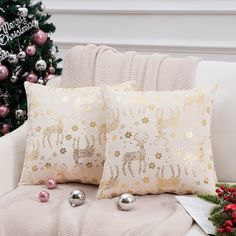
(95, 65)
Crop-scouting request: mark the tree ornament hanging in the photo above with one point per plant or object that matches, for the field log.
(4, 72)
(22, 11)
(51, 70)
(5, 128)
(40, 65)
(32, 77)
(12, 58)
(40, 37)
(4, 111)
(30, 50)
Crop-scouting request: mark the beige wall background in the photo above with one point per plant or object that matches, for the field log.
(203, 28)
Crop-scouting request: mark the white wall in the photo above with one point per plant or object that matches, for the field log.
(191, 27)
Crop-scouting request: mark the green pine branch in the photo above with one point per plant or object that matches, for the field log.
(210, 198)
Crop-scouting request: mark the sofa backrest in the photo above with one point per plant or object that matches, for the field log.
(224, 115)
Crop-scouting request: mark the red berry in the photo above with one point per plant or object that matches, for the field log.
(221, 230)
(230, 207)
(234, 194)
(234, 214)
(218, 190)
(228, 229)
(231, 189)
(231, 199)
(234, 220)
(220, 194)
(222, 187)
(225, 198)
(228, 223)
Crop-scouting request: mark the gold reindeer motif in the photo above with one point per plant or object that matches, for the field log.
(34, 153)
(197, 99)
(168, 183)
(113, 180)
(108, 127)
(139, 156)
(79, 153)
(57, 129)
(171, 122)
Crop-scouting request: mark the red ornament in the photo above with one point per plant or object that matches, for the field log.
(32, 77)
(234, 214)
(51, 70)
(228, 223)
(221, 230)
(5, 128)
(4, 72)
(40, 37)
(51, 184)
(230, 207)
(30, 50)
(228, 229)
(4, 111)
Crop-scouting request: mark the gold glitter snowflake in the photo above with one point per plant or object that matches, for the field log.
(146, 180)
(117, 153)
(68, 137)
(48, 165)
(152, 165)
(158, 155)
(145, 120)
(62, 150)
(38, 129)
(34, 168)
(75, 127)
(92, 124)
(128, 134)
(89, 164)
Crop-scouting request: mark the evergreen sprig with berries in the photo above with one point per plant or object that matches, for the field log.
(223, 214)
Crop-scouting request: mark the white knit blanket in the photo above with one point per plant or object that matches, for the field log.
(95, 65)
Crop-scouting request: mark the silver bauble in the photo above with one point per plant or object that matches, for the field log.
(20, 114)
(126, 201)
(77, 197)
(40, 81)
(12, 58)
(40, 65)
(14, 78)
(35, 23)
(21, 55)
(22, 11)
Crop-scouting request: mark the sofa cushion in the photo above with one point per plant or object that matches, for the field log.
(23, 215)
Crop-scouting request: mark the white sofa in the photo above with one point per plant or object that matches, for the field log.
(12, 146)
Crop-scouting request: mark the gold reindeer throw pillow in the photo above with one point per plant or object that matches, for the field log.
(162, 143)
(66, 134)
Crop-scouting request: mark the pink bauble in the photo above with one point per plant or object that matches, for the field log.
(40, 37)
(4, 111)
(5, 128)
(44, 196)
(51, 70)
(51, 184)
(32, 77)
(2, 20)
(48, 77)
(4, 72)
(30, 50)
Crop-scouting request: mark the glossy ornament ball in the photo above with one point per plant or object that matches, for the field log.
(77, 197)
(4, 111)
(35, 23)
(51, 70)
(126, 202)
(14, 79)
(30, 50)
(44, 196)
(41, 81)
(40, 65)
(5, 128)
(19, 113)
(40, 37)
(21, 55)
(32, 77)
(4, 72)
(49, 77)
(22, 11)
(12, 58)
(2, 20)
(51, 184)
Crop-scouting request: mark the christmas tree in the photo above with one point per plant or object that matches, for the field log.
(26, 54)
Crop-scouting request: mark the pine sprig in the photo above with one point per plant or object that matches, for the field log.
(210, 198)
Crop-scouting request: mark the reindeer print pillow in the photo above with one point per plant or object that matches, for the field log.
(162, 143)
(66, 134)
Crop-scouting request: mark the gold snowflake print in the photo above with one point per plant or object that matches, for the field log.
(36, 114)
(117, 153)
(92, 124)
(62, 150)
(68, 137)
(145, 120)
(34, 168)
(114, 137)
(99, 155)
(158, 155)
(146, 180)
(152, 165)
(48, 165)
(38, 129)
(206, 180)
(75, 127)
(128, 134)
(89, 164)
